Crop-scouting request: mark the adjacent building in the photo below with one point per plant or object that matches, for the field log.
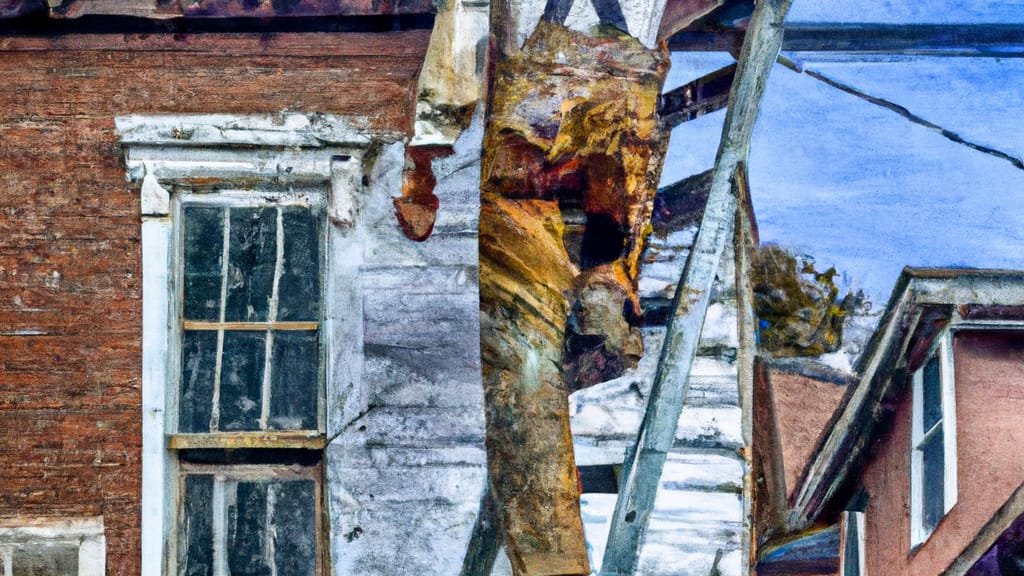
(916, 471)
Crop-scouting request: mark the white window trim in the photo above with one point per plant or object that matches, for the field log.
(851, 517)
(167, 153)
(85, 533)
(943, 348)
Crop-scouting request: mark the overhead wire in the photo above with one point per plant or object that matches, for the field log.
(901, 110)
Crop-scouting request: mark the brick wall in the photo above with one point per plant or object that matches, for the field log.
(70, 292)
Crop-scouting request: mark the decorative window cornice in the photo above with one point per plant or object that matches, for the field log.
(203, 150)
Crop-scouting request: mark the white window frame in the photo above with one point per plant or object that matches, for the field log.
(856, 519)
(943, 350)
(169, 155)
(84, 533)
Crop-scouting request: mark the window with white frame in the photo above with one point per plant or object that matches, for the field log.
(249, 270)
(52, 547)
(933, 436)
(251, 314)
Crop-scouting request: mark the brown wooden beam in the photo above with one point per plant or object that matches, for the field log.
(572, 122)
(680, 14)
(702, 96)
(863, 40)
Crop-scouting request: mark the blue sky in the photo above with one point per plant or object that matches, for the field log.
(858, 186)
(908, 11)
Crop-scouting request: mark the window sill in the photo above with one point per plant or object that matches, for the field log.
(228, 440)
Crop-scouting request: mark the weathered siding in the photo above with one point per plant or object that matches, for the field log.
(697, 524)
(70, 309)
(989, 401)
(405, 480)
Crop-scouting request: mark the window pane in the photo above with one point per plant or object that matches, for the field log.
(199, 364)
(50, 559)
(295, 527)
(300, 276)
(241, 380)
(294, 381)
(934, 479)
(247, 530)
(932, 385)
(196, 527)
(251, 261)
(851, 550)
(204, 249)
(599, 479)
(272, 521)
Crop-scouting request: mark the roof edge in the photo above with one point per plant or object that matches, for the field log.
(916, 288)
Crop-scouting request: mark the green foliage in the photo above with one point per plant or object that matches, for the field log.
(799, 310)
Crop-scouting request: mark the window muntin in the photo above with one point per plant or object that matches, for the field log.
(237, 160)
(933, 435)
(250, 284)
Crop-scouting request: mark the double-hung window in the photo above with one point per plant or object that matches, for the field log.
(246, 226)
(933, 436)
(249, 277)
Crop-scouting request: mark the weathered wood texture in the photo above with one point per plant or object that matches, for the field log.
(70, 308)
(405, 479)
(767, 467)
(680, 14)
(571, 123)
(697, 98)
(524, 272)
(698, 512)
(857, 40)
(211, 8)
(643, 468)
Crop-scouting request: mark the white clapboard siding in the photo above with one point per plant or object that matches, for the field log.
(697, 521)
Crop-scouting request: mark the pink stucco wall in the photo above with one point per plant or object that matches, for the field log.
(803, 409)
(990, 424)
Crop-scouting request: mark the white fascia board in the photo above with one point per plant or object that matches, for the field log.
(918, 534)
(947, 372)
(983, 288)
(946, 287)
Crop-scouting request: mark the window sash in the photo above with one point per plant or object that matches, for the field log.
(269, 418)
(221, 515)
(933, 472)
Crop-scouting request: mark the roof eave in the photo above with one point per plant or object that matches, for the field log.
(915, 289)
